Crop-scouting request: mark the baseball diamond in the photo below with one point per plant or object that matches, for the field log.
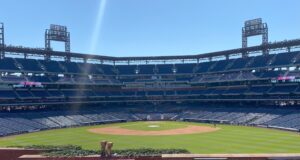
(241, 139)
(240, 103)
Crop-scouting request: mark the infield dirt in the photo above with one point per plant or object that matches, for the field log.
(116, 130)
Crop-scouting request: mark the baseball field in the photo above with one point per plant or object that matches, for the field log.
(195, 137)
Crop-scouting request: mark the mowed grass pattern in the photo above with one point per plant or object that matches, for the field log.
(229, 139)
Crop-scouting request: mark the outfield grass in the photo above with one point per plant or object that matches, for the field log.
(229, 139)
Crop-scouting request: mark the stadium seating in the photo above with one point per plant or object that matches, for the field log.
(8, 64)
(203, 67)
(284, 58)
(260, 61)
(221, 65)
(71, 67)
(29, 65)
(52, 66)
(239, 63)
(257, 79)
(283, 89)
(165, 68)
(16, 123)
(7, 94)
(184, 68)
(127, 69)
(258, 89)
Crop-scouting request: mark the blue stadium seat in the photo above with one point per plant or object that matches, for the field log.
(258, 90)
(40, 93)
(236, 90)
(284, 58)
(146, 69)
(170, 93)
(101, 93)
(204, 67)
(140, 93)
(155, 93)
(165, 68)
(283, 89)
(219, 91)
(197, 92)
(74, 93)
(88, 68)
(8, 64)
(115, 94)
(184, 79)
(221, 65)
(29, 64)
(239, 63)
(71, 67)
(185, 68)
(260, 61)
(183, 92)
(107, 69)
(55, 94)
(126, 69)
(52, 66)
(7, 94)
(25, 94)
(128, 93)
(271, 74)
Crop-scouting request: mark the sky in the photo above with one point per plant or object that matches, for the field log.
(147, 27)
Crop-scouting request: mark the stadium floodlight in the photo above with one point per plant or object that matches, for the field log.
(57, 33)
(254, 27)
(2, 44)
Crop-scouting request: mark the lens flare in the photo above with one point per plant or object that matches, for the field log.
(98, 26)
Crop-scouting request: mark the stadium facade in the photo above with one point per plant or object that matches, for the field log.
(256, 85)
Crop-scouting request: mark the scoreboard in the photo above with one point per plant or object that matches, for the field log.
(254, 27)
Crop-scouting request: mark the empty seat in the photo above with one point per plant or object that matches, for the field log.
(89, 68)
(29, 64)
(127, 69)
(155, 93)
(284, 58)
(24, 94)
(203, 67)
(260, 61)
(221, 65)
(183, 92)
(52, 66)
(74, 93)
(146, 69)
(107, 69)
(165, 68)
(7, 94)
(283, 89)
(236, 90)
(239, 63)
(170, 93)
(185, 68)
(8, 64)
(71, 67)
(55, 94)
(40, 93)
(258, 89)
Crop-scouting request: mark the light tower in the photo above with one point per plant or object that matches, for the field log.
(57, 33)
(2, 44)
(254, 27)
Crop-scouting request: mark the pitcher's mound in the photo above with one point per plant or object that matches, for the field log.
(115, 130)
